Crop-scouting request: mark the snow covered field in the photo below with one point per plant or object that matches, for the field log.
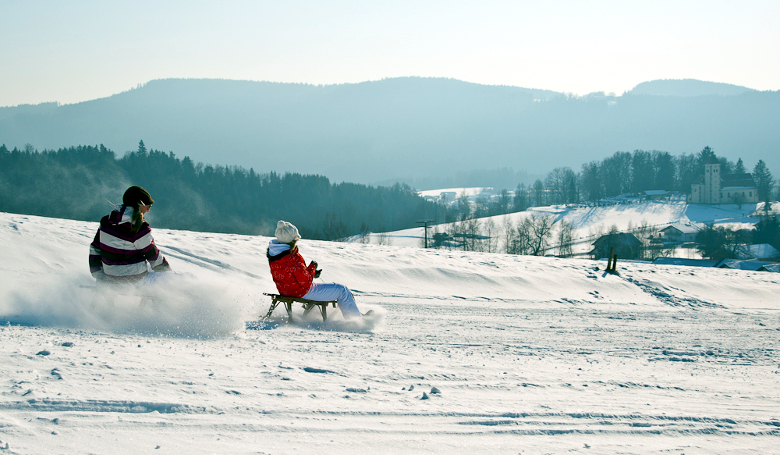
(466, 353)
(588, 221)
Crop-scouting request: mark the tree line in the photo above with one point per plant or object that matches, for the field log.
(719, 242)
(84, 182)
(470, 228)
(634, 172)
(541, 234)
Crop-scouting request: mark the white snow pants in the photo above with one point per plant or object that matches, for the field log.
(323, 292)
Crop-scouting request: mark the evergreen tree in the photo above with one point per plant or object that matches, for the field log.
(591, 184)
(642, 171)
(705, 155)
(665, 171)
(739, 168)
(768, 231)
(520, 202)
(764, 181)
(726, 166)
(688, 171)
(538, 193)
(722, 243)
(616, 174)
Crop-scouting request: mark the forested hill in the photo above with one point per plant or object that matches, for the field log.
(688, 87)
(405, 128)
(83, 183)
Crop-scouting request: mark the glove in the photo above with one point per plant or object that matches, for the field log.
(317, 273)
(313, 263)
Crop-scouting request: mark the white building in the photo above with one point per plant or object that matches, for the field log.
(716, 189)
(682, 232)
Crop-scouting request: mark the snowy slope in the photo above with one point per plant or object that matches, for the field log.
(467, 353)
(588, 221)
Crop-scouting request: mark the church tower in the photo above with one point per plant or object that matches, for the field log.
(712, 181)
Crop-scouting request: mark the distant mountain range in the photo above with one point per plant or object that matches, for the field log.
(414, 129)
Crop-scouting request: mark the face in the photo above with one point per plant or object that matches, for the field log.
(144, 209)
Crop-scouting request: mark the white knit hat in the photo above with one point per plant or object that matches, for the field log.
(286, 232)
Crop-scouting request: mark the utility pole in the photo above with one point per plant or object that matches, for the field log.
(425, 223)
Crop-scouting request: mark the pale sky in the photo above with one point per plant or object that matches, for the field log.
(72, 51)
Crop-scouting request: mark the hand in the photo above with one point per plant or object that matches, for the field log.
(317, 273)
(314, 263)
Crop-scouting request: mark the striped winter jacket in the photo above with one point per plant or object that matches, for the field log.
(120, 255)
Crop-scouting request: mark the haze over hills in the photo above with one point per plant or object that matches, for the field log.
(688, 87)
(414, 129)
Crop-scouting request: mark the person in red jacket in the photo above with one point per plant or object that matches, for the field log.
(294, 278)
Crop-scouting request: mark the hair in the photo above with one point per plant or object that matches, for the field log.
(134, 197)
(137, 219)
(293, 244)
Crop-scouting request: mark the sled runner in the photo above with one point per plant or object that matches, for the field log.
(307, 305)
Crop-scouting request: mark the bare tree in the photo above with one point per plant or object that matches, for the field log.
(738, 198)
(541, 231)
(596, 232)
(365, 234)
(520, 242)
(334, 229)
(648, 235)
(507, 232)
(481, 207)
(490, 230)
(565, 234)
(464, 206)
(471, 229)
(501, 206)
(531, 236)
(562, 185)
(554, 184)
(383, 239)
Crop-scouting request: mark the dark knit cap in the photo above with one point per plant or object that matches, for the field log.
(135, 195)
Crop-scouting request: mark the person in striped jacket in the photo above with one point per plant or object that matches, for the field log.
(123, 245)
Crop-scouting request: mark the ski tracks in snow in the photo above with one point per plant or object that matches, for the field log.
(438, 375)
(669, 294)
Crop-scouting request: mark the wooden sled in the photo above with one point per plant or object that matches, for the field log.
(307, 305)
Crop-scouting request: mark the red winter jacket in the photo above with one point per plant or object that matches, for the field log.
(291, 275)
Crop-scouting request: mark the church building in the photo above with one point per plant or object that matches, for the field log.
(716, 189)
